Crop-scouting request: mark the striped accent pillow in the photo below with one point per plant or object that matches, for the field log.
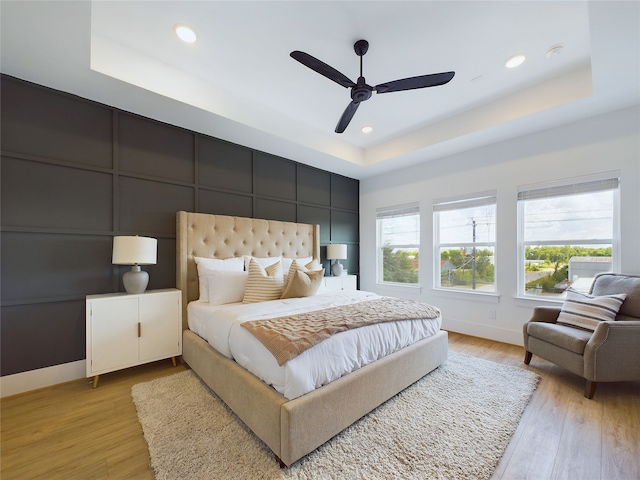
(263, 283)
(586, 311)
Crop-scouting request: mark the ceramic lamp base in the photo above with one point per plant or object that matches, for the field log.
(136, 280)
(336, 269)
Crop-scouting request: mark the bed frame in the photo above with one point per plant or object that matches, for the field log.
(290, 428)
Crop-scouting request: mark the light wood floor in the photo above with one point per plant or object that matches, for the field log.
(71, 431)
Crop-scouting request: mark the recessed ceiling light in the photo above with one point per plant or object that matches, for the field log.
(514, 61)
(367, 129)
(185, 33)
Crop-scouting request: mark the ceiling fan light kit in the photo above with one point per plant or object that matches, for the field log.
(360, 90)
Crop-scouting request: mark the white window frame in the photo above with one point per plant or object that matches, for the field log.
(454, 203)
(390, 212)
(577, 185)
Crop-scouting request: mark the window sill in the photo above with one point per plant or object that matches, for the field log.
(480, 296)
(400, 287)
(535, 301)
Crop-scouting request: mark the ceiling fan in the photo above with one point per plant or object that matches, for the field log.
(360, 91)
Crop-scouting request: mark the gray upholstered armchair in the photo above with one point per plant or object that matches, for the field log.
(611, 353)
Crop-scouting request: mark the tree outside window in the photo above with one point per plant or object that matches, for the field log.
(398, 244)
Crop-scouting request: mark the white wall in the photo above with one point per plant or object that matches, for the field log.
(599, 144)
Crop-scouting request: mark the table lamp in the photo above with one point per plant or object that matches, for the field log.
(337, 252)
(135, 251)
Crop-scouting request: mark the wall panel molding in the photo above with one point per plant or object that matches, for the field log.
(75, 173)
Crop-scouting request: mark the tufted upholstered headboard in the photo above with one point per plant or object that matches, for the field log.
(222, 236)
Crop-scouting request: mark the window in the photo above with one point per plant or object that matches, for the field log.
(465, 242)
(398, 244)
(567, 234)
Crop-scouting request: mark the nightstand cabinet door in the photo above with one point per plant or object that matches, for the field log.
(159, 331)
(114, 334)
(344, 282)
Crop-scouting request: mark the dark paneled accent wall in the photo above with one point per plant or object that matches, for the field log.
(75, 173)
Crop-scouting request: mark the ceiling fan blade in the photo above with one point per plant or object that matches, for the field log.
(411, 83)
(346, 117)
(322, 68)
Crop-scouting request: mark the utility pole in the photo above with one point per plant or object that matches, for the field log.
(473, 258)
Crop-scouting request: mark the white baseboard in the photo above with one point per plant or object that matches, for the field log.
(43, 377)
(513, 337)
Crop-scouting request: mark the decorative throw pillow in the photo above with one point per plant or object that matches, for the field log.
(207, 265)
(226, 286)
(586, 311)
(303, 265)
(303, 284)
(302, 281)
(263, 283)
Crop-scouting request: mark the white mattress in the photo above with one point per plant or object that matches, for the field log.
(331, 359)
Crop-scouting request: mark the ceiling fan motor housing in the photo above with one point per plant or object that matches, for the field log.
(361, 91)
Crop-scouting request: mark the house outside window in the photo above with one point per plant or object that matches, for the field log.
(398, 244)
(568, 233)
(465, 243)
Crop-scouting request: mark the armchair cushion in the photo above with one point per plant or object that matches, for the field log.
(607, 284)
(586, 311)
(569, 338)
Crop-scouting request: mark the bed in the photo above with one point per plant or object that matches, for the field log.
(291, 428)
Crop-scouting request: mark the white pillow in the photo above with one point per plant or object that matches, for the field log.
(264, 262)
(207, 265)
(286, 263)
(263, 283)
(226, 286)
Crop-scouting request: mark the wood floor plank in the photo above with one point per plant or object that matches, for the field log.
(72, 431)
(621, 432)
(582, 433)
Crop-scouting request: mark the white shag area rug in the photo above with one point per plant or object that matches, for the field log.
(454, 423)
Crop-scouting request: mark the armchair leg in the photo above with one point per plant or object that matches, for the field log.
(527, 357)
(590, 389)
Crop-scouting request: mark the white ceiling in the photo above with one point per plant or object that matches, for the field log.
(237, 82)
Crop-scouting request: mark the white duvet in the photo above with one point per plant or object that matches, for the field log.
(329, 360)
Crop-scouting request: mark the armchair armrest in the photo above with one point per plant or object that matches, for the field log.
(613, 352)
(548, 314)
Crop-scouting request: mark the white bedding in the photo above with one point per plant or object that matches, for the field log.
(337, 356)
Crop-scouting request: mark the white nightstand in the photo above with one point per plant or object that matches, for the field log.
(344, 282)
(124, 330)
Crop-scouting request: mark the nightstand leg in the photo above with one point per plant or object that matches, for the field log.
(173, 360)
(95, 381)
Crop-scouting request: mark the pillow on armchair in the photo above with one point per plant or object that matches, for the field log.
(587, 311)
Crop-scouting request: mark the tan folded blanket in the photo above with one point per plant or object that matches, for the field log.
(289, 336)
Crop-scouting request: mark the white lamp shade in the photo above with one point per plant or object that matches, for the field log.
(134, 250)
(336, 251)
